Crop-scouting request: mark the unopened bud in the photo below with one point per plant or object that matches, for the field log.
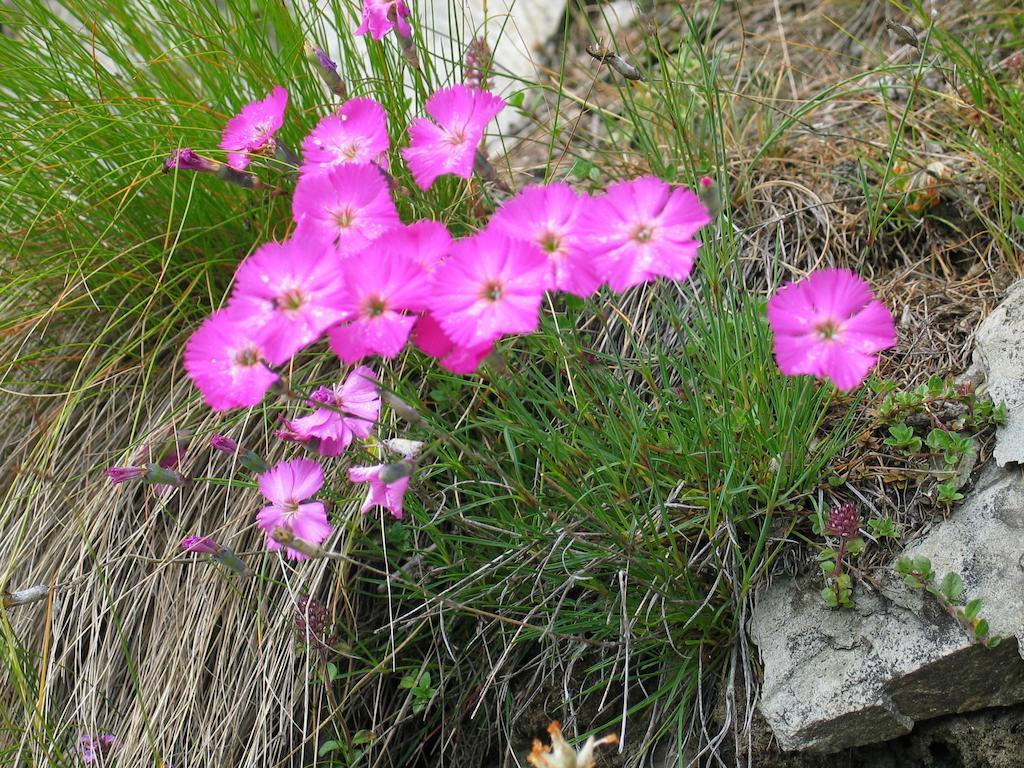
(253, 462)
(325, 68)
(202, 545)
(224, 444)
(157, 475)
(402, 408)
(185, 159)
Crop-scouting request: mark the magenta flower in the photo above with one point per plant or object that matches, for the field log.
(381, 16)
(357, 133)
(355, 408)
(253, 129)
(186, 160)
(349, 205)
(548, 216)
(641, 229)
(202, 545)
(461, 114)
(224, 359)
(120, 475)
(382, 291)
(830, 325)
(489, 285)
(95, 749)
(388, 495)
(289, 292)
(287, 485)
(425, 241)
(430, 338)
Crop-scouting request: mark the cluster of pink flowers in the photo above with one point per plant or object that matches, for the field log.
(353, 271)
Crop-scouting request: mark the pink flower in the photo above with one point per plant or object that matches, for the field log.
(224, 444)
(641, 229)
(202, 545)
(381, 16)
(354, 412)
(431, 339)
(357, 133)
(461, 114)
(425, 241)
(489, 285)
(289, 292)
(548, 216)
(382, 289)
(224, 359)
(349, 205)
(830, 326)
(286, 486)
(254, 127)
(388, 495)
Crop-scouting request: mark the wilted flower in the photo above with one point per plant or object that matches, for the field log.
(124, 474)
(96, 749)
(488, 286)
(830, 325)
(351, 410)
(287, 486)
(449, 145)
(389, 495)
(313, 623)
(561, 755)
(186, 159)
(202, 545)
(253, 129)
(642, 229)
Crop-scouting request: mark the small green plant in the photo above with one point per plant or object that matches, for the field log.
(951, 445)
(883, 528)
(902, 437)
(917, 573)
(421, 690)
(947, 493)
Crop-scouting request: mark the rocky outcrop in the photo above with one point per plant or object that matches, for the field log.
(836, 679)
(999, 360)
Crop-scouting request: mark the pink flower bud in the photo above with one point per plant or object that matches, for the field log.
(124, 474)
(224, 444)
(202, 545)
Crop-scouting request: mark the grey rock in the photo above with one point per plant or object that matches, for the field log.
(838, 679)
(999, 359)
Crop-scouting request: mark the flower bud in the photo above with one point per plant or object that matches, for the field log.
(254, 463)
(325, 68)
(185, 159)
(224, 444)
(157, 475)
(124, 474)
(203, 545)
(710, 195)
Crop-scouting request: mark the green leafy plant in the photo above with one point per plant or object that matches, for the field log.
(917, 573)
(902, 437)
(883, 528)
(421, 690)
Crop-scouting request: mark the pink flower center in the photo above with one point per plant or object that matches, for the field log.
(345, 217)
(456, 137)
(827, 329)
(291, 300)
(375, 306)
(643, 233)
(247, 356)
(492, 291)
(352, 150)
(550, 242)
